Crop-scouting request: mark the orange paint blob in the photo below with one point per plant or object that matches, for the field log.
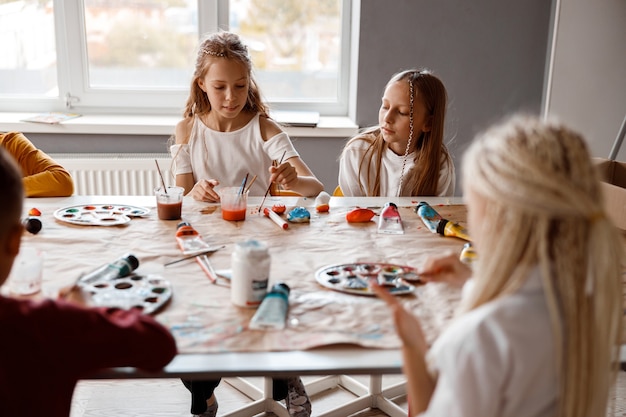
(322, 208)
(360, 215)
(279, 208)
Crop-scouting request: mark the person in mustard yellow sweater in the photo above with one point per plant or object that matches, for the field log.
(42, 176)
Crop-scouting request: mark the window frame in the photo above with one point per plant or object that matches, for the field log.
(75, 95)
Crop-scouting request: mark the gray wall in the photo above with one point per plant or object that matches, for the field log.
(588, 91)
(490, 54)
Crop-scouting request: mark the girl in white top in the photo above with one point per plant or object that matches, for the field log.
(227, 133)
(538, 330)
(404, 155)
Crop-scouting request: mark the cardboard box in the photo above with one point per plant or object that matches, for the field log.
(613, 175)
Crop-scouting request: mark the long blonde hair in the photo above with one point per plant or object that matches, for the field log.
(423, 180)
(545, 208)
(219, 45)
(222, 45)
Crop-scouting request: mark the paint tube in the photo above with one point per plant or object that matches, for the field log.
(272, 313)
(429, 216)
(120, 267)
(447, 228)
(437, 224)
(189, 240)
(32, 224)
(389, 221)
(468, 254)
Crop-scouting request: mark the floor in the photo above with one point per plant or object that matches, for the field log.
(168, 397)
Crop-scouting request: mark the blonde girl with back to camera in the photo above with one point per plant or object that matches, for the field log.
(226, 131)
(539, 328)
(404, 155)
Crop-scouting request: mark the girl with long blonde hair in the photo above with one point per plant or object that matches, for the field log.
(225, 134)
(226, 131)
(404, 155)
(539, 327)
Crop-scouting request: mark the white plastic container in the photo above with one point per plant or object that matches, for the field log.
(27, 272)
(250, 264)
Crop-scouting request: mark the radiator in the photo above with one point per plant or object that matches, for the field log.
(115, 174)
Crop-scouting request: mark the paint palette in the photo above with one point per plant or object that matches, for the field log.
(355, 278)
(147, 292)
(99, 214)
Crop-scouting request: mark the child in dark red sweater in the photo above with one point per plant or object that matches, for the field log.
(47, 346)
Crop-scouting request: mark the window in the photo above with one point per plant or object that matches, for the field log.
(137, 56)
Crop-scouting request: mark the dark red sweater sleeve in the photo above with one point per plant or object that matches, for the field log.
(83, 340)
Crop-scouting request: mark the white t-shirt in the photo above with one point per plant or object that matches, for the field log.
(390, 172)
(228, 156)
(497, 360)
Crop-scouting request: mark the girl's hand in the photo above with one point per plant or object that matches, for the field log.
(407, 325)
(204, 190)
(285, 175)
(447, 268)
(74, 295)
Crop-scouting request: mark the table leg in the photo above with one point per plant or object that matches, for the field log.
(372, 396)
(262, 399)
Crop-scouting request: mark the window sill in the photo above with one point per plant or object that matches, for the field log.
(153, 125)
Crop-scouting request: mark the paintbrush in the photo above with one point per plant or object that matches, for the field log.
(243, 184)
(206, 252)
(250, 185)
(161, 175)
(209, 269)
(269, 187)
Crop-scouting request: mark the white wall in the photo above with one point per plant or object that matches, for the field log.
(588, 88)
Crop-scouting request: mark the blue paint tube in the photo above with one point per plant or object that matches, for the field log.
(429, 216)
(272, 313)
(437, 224)
(121, 267)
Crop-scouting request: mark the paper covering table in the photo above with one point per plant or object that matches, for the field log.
(328, 332)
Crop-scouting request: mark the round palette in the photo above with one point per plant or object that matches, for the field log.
(354, 278)
(147, 292)
(99, 214)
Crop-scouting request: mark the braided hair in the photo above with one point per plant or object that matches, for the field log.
(544, 208)
(424, 178)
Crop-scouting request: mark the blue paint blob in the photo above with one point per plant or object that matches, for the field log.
(299, 215)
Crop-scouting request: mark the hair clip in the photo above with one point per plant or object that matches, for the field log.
(207, 51)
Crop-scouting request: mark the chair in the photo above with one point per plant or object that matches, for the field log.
(284, 193)
(277, 191)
